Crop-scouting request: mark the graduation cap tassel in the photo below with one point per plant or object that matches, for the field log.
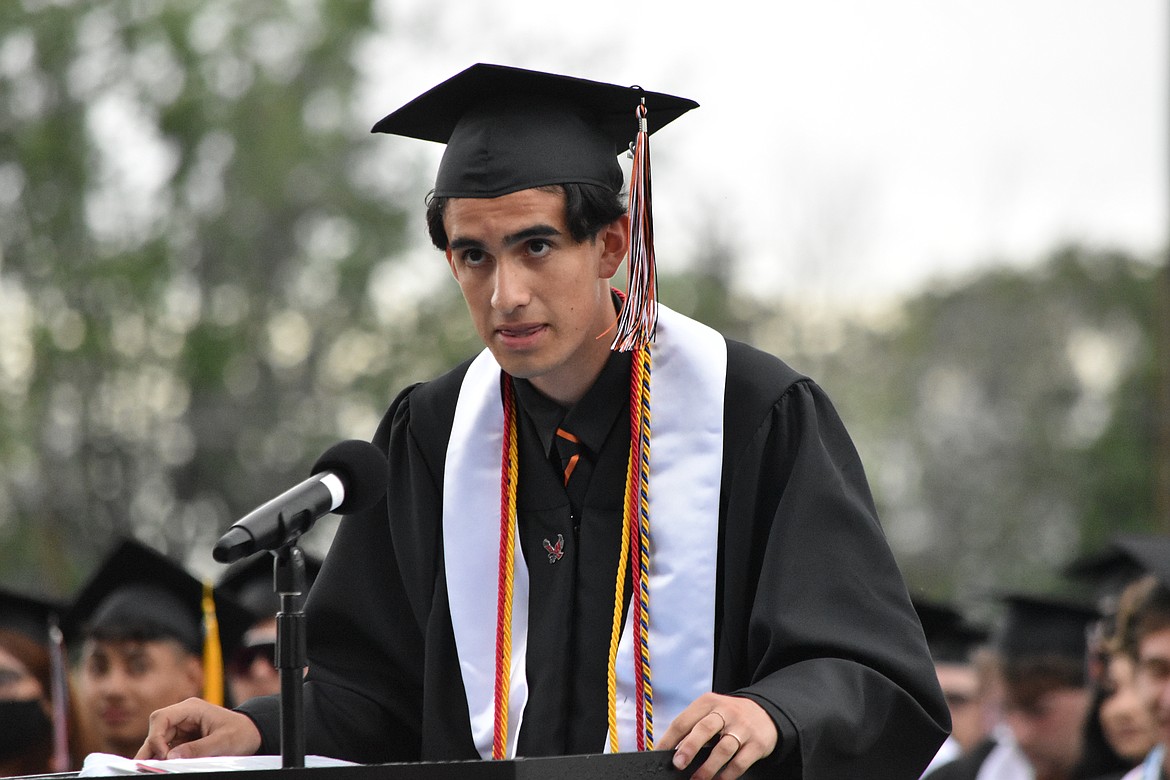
(59, 697)
(639, 315)
(212, 650)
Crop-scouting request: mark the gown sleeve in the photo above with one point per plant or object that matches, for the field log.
(816, 622)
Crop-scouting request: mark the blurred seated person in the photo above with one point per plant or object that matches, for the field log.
(954, 645)
(1128, 724)
(251, 668)
(36, 737)
(140, 620)
(1041, 650)
(1120, 729)
(1144, 636)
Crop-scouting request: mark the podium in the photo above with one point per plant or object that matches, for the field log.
(621, 766)
(648, 765)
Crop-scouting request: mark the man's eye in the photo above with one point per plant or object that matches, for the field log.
(473, 257)
(138, 666)
(538, 247)
(9, 677)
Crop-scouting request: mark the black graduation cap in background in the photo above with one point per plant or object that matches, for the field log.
(139, 591)
(1124, 559)
(1041, 626)
(949, 635)
(509, 129)
(249, 581)
(28, 615)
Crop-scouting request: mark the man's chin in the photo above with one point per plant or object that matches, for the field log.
(518, 366)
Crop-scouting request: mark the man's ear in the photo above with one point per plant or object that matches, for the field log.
(451, 262)
(615, 243)
(193, 672)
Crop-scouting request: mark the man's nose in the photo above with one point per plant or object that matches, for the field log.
(511, 287)
(112, 683)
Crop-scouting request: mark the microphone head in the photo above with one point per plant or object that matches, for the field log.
(235, 544)
(362, 469)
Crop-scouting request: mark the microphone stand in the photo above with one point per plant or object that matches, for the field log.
(292, 655)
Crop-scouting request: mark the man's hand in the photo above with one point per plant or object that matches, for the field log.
(748, 734)
(195, 728)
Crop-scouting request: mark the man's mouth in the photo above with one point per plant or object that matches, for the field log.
(519, 331)
(115, 715)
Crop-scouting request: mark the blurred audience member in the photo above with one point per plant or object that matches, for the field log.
(38, 733)
(251, 668)
(1119, 730)
(954, 646)
(141, 622)
(1041, 652)
(1144, 632)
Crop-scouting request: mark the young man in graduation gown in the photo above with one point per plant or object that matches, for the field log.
(960, 653)
(1144, 627)
(140, 626)
(644, 533)
(1041, 650)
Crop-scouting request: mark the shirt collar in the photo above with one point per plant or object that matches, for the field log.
(592, 417)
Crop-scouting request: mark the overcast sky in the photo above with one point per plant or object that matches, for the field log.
(853, 146)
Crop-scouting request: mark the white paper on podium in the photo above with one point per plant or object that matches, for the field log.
(107, 765)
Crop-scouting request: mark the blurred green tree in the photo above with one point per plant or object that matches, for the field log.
(206, 278)
(200, 248)
(1006, 421)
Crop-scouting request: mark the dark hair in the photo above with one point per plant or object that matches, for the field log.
(1143, 608)
(588, 208)
(142, 630)
(1027, 679)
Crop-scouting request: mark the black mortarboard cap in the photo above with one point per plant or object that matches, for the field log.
(1124, 559)
(28, 615)
(949, 635)
(509, 129)
(1041, 626)
(138, 589)
(249, 581)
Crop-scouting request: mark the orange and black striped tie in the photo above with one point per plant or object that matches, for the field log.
(569, 448)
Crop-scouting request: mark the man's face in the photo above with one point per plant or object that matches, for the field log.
(539, 300)
(121, 683)
(1153, 678)
(1125, 719)
(16, 682)
(960, 686)
(251, 671)
(1048, 728)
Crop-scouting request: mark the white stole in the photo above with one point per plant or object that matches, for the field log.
(688, 373)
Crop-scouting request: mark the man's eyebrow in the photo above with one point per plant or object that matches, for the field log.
(536, 231)
(457, 244)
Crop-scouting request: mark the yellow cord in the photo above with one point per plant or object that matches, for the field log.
(616, 630)
(212, 650)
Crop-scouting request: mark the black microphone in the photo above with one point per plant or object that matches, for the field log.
(348, 477)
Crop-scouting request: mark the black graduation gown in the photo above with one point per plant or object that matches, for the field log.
(812, 616)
